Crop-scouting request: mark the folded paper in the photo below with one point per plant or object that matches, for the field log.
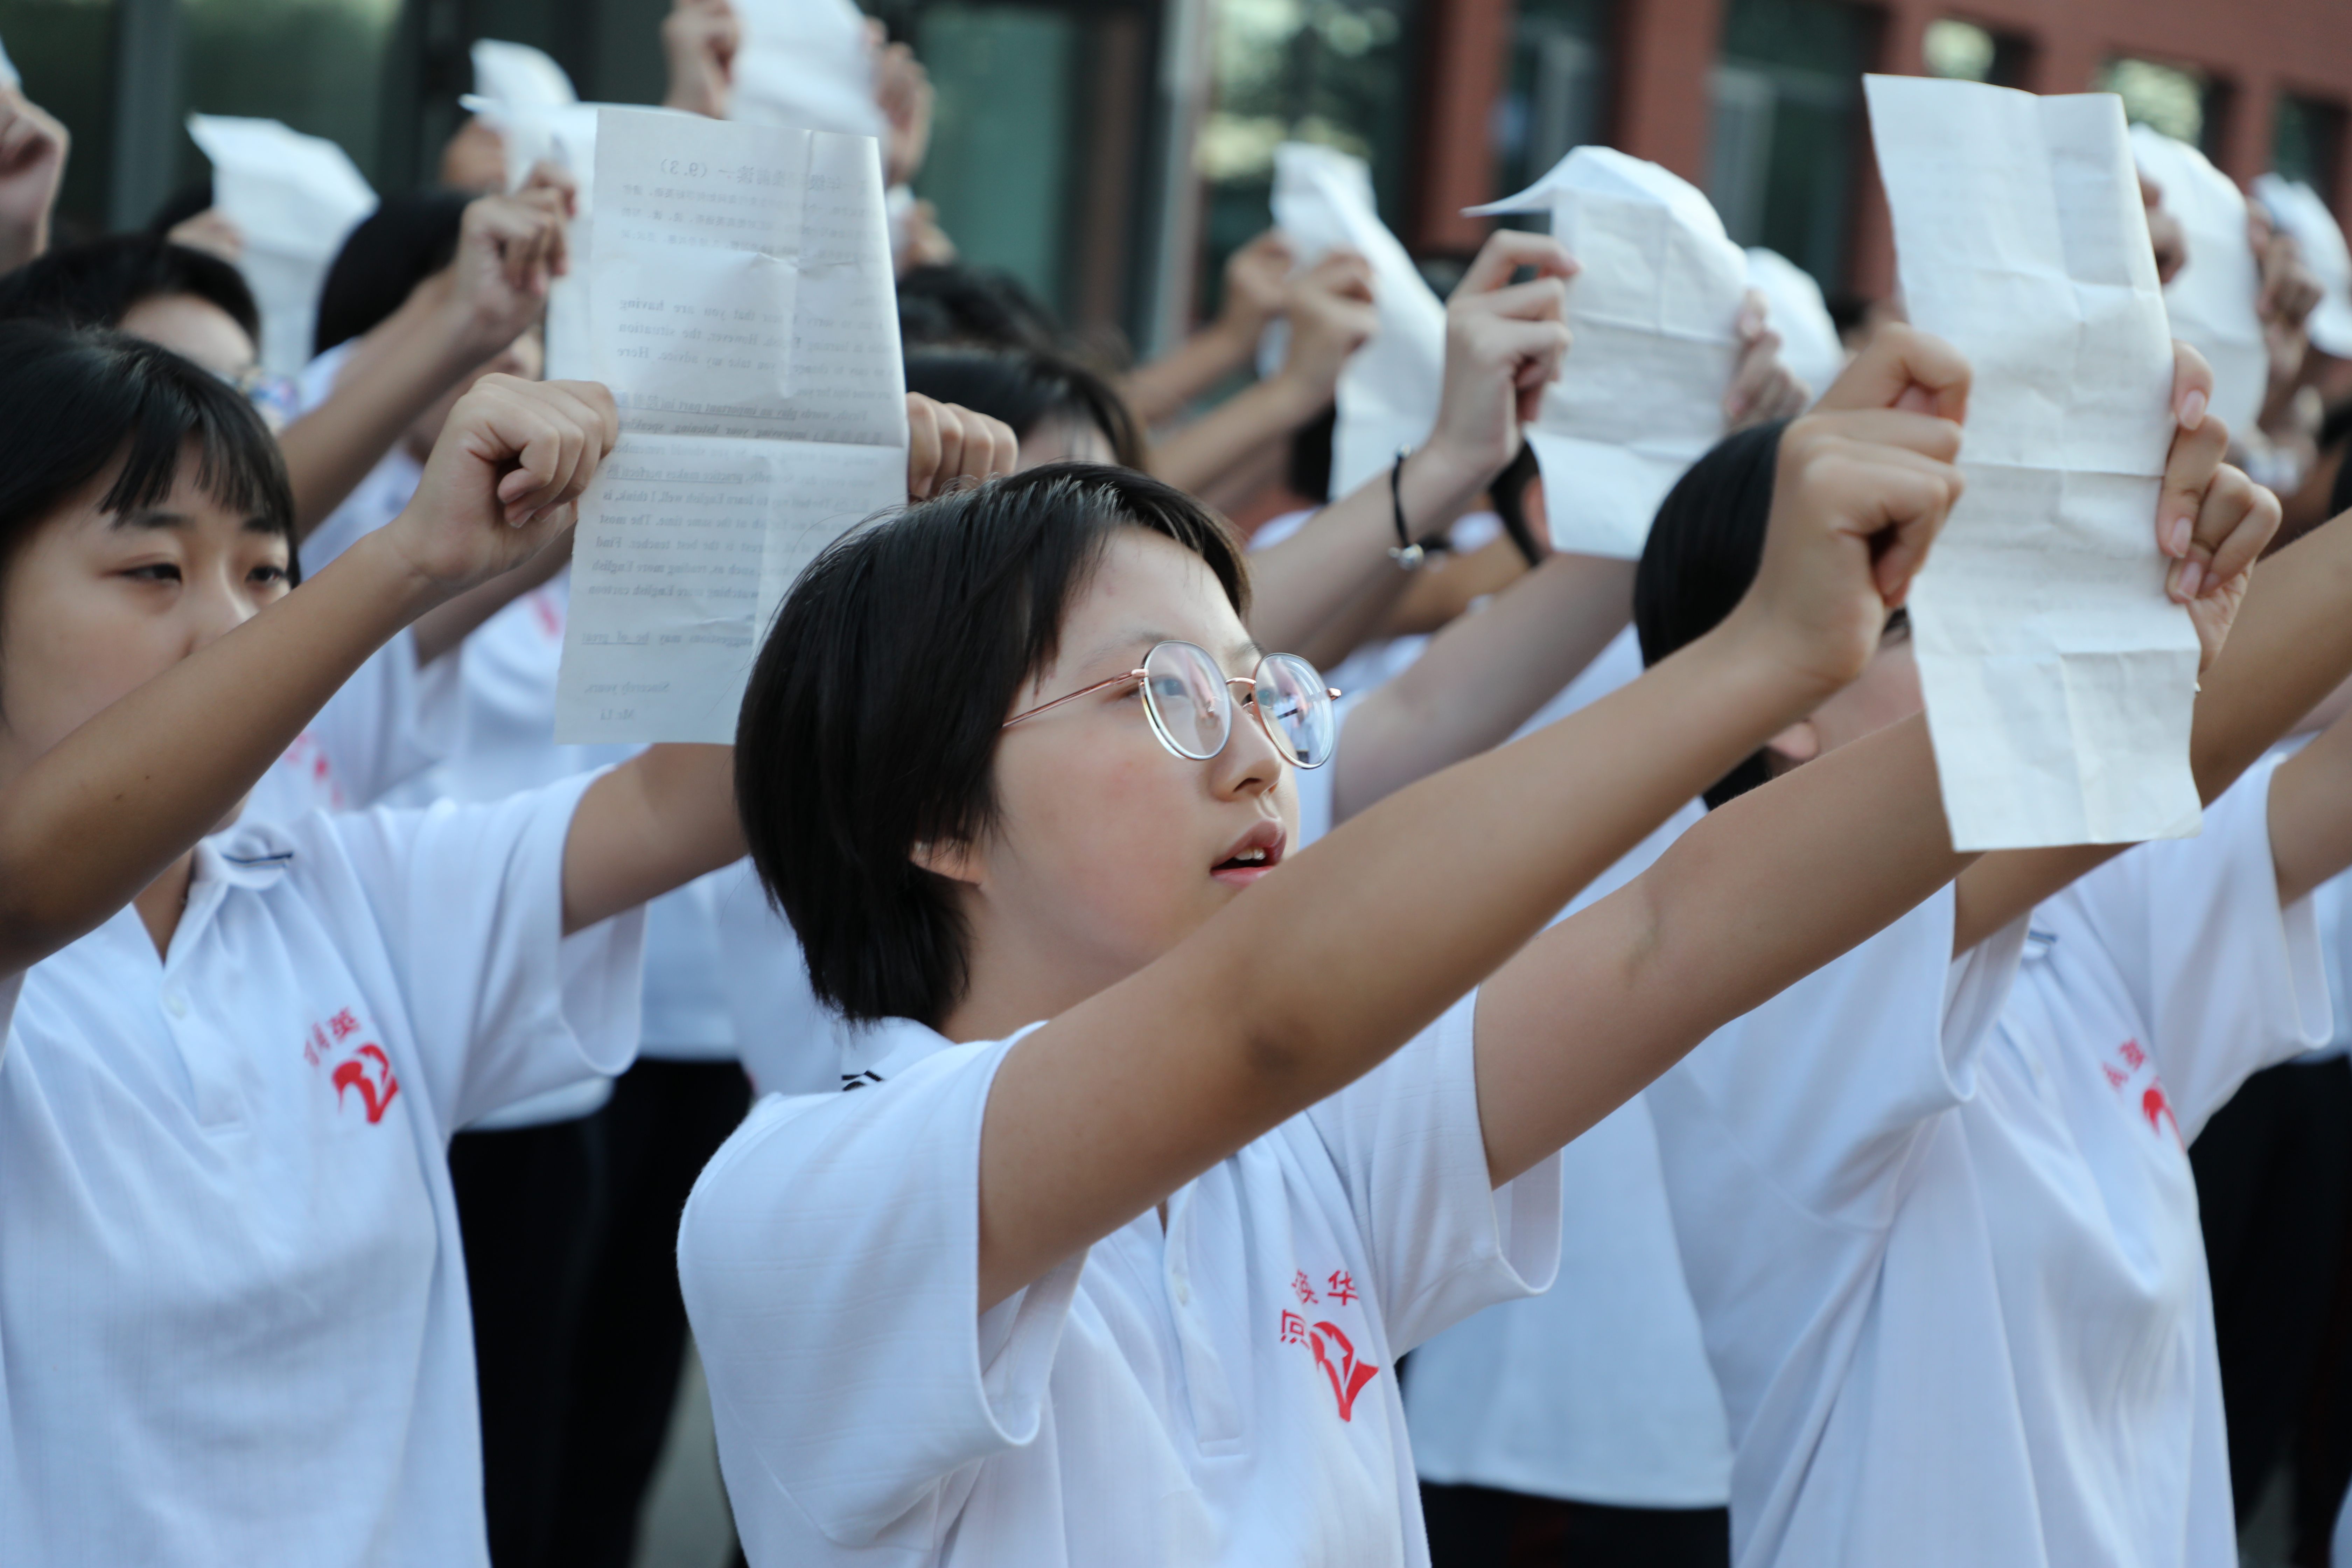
(519, 75)
(742, 308)
(2210, 301)
(2059, 678)
(1656, 310)
(1387, 396)
(294, 199)
(808, 64)
(1794, 307)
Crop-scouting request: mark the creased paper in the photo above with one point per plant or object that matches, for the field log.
(1656, 310)
(2210, 301)
(1389, 388)
(1793, 307)
(294, 199)
(2296, 209)
(807, 64)
(2059, 678)
(742, 308)
(519, 75)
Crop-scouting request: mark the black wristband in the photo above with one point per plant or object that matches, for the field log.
(1408, 552)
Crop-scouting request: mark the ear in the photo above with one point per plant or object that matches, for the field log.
(956, 862)
(1800, 742)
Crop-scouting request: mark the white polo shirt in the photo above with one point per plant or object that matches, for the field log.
(1224, 1394)
(233, 1314)
(1942, 1232)
(387, 725)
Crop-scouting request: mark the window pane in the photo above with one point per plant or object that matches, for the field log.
(2165, 96)
(1786, 107)
(65, 50)
(318, 64)
(2308, 142)
(1555, 98)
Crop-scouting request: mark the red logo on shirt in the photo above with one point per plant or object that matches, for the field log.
(1334, 1352)
(2153, 1104)
(367, 1069)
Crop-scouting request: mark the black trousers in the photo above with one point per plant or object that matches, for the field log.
(665, 1120)
(1478, 1526)
(2273, 1173)
(528, 1204)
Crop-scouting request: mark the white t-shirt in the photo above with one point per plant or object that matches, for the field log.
(387, 725)
(788, 1042)
(1222, 1394)
(1598, 1390)
(1942, 1233)
(233, 1314)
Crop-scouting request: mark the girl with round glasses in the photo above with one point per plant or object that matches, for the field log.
(1159, 1145)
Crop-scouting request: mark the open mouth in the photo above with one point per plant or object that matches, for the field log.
(1252, 860)
(1259, 850)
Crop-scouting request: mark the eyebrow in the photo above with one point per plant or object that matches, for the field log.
(156, 517)
(1247, 651)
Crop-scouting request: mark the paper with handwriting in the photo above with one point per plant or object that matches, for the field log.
(2060, 680)
(742, 308)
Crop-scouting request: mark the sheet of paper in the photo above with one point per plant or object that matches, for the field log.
(519, 74)
(2059, 678)
(766, 419)
(564, 135)
(8, 77)
(1388, 391)
(2210, 301)
(2296, 209)
(808, 64)
(1655, 310)
(294, 198)
(1794, 307)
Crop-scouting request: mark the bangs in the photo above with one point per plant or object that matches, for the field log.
(237, 461)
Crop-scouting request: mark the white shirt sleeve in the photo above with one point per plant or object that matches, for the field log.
(470, 903)
(830, 1260)
(1444, 1242)
(1822, 1086)
(391, 720)
(2228, 982)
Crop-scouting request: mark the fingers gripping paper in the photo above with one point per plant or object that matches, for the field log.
(293, 198)
(1655, 310)
(532, 131)
(2210, 301)
(740, 307)
(1388, 391)
(2058, 676)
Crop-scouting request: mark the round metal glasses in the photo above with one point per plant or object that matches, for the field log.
(1189, 699)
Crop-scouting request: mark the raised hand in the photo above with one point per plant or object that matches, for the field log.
(948, 442)
(1258, 285)
(1332, 315)
(699, 37)
(33, 148)
(1505, 343)
(902, 91)
(1763, 387)
(509, 250)
(505, 478)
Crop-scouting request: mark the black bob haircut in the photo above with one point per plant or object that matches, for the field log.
(953, 305)
(72, 402)
(871, 720)
(398, 246)
(96, 284)
(1027, 388)
(1702, 553)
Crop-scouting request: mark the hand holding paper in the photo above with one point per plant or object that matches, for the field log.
(2209, 302)
(33, 147)
(1653, 311)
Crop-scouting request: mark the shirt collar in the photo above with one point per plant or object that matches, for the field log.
(242, 860)
(874, 1053)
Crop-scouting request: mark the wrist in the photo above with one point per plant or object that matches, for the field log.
(1291, 400)
(1776, 673)
(404, 586)
(1438, 485)
(1230, 341)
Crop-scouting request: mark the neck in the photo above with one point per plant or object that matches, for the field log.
(163, 900)
(1017, 981)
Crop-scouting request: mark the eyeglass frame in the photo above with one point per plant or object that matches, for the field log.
(1160, 730)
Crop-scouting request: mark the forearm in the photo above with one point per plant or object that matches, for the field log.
(1162, 388)
(100, 816)
(1483, 677)
(1257, 417)
(440, 630)
(21, 242)
(1299, 585)
(1766, 889)
(385, 386)
(657, 822)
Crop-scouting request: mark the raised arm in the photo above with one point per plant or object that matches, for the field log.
(1255, 280)
(508, 249)
(99, 817)
(33, 148)
(1327, 965)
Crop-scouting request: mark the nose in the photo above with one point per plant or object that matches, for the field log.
(1249, 764)
(217, 603)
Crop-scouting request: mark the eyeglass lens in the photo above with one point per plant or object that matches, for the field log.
(1297, 708)
(1191, 704)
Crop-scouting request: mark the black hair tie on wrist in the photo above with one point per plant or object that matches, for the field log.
(1409, 553)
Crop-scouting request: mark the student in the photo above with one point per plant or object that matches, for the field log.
(1940, 1228)
(960, 797)
(1060, 410)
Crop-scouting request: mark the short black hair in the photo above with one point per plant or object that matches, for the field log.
(954, 306)
(1026, 388)
(1703, 551)
(871, 720)
(73, 402)
(95, 284)
(395, 247)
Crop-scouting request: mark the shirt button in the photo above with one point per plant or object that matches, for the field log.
(1183, 1293)
(176, 1004)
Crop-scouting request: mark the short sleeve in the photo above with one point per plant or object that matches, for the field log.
(1443, 1241)
(470, 903)
(1822, 1087)
(391, 720)
(830, 1261)
(2227, 982)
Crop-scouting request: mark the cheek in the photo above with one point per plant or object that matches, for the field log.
(1109, 847)
(67, 655)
